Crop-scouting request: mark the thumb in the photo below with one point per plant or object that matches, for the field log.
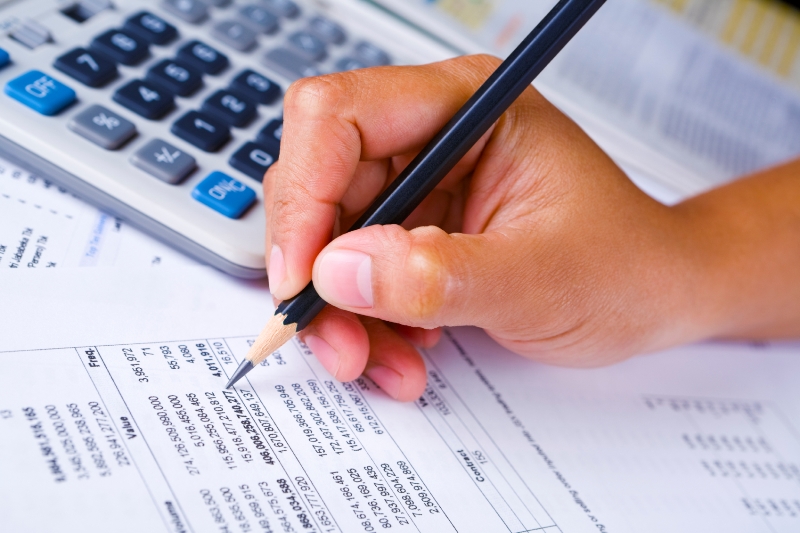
(424, 277)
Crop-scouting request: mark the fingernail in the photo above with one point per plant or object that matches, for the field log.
(325, 353)
(277, 268)
(345, 278)
(387, 379)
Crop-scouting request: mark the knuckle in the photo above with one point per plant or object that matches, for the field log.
(315, 95)
(426, 270)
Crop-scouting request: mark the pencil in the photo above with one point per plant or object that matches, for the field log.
(438, 158)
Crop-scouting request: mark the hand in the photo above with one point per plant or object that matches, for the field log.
(536, 236)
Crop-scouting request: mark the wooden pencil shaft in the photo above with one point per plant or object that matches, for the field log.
(461, 133)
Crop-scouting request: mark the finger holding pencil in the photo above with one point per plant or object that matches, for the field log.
(369, 123)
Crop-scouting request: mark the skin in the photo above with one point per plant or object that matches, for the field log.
(536, 236)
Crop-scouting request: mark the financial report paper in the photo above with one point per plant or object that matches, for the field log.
(113, 417)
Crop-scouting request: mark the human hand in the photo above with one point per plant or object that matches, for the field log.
(536, 236)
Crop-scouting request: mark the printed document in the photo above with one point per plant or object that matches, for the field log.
(113, 417)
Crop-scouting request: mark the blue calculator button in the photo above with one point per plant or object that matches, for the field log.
(4, 58)
(40, 92)
(224, 194)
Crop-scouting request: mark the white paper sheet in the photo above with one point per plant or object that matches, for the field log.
(43, 226)
(113, 418)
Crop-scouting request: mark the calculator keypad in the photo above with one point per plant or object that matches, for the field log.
(151, 28)
(191, 11)
(179, 78)
(254, 159)
(256, 87)
(234, 34)
(224, 194)
(203, 57)
(302, 50)
(103, 127)
(145, 99)
(164, 161)
(88, 67)
(231, 108)
(290, 64)
(40, 92)
(121, 46)
(259, 18)
(202, 130)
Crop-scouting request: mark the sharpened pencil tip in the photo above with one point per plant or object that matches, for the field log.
(245, 367)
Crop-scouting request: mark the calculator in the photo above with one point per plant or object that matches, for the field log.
(167, 113)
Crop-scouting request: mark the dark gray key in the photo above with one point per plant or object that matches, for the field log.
(234, 34)
(327, 30)
(349, 63)
(103, 127)
(282, 8)
(371, 54)
(163, 161)
(307, 45)
(290, 64)
(192, 11)
(218, 3)
(259, 18)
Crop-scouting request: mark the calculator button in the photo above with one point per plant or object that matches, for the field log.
(234, 34)
(349, 63)
(259, 18)
(90, 68)
(230, 108)
(290, 64)
(202, 56)
(371, 54)
(327, 30)
(191, 11)
(256, 87)
(4, 58)
(163, 161)
(204, 131)
(40, 92)
(145, 98)
(270, 134)
(224, 194)
(307, 45)
(253, 160)
(151, 28)
(181, 79)
(282, 8)
(103, 127)
(121, 46)
(218, 3)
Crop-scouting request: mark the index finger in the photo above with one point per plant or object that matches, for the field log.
(333, 122)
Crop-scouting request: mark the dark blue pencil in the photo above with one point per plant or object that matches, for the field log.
(438, 158)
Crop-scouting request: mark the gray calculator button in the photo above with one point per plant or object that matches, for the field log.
(371, 54)
(259, 18)
(218, 3)
(349, 63)
(307, 45)
(192, 11)
(290, 64)
(327, 30)
(234, 34)
(103, 127)
(282, 8)
(164, 161)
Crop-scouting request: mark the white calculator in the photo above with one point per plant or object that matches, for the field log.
(167, 113)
